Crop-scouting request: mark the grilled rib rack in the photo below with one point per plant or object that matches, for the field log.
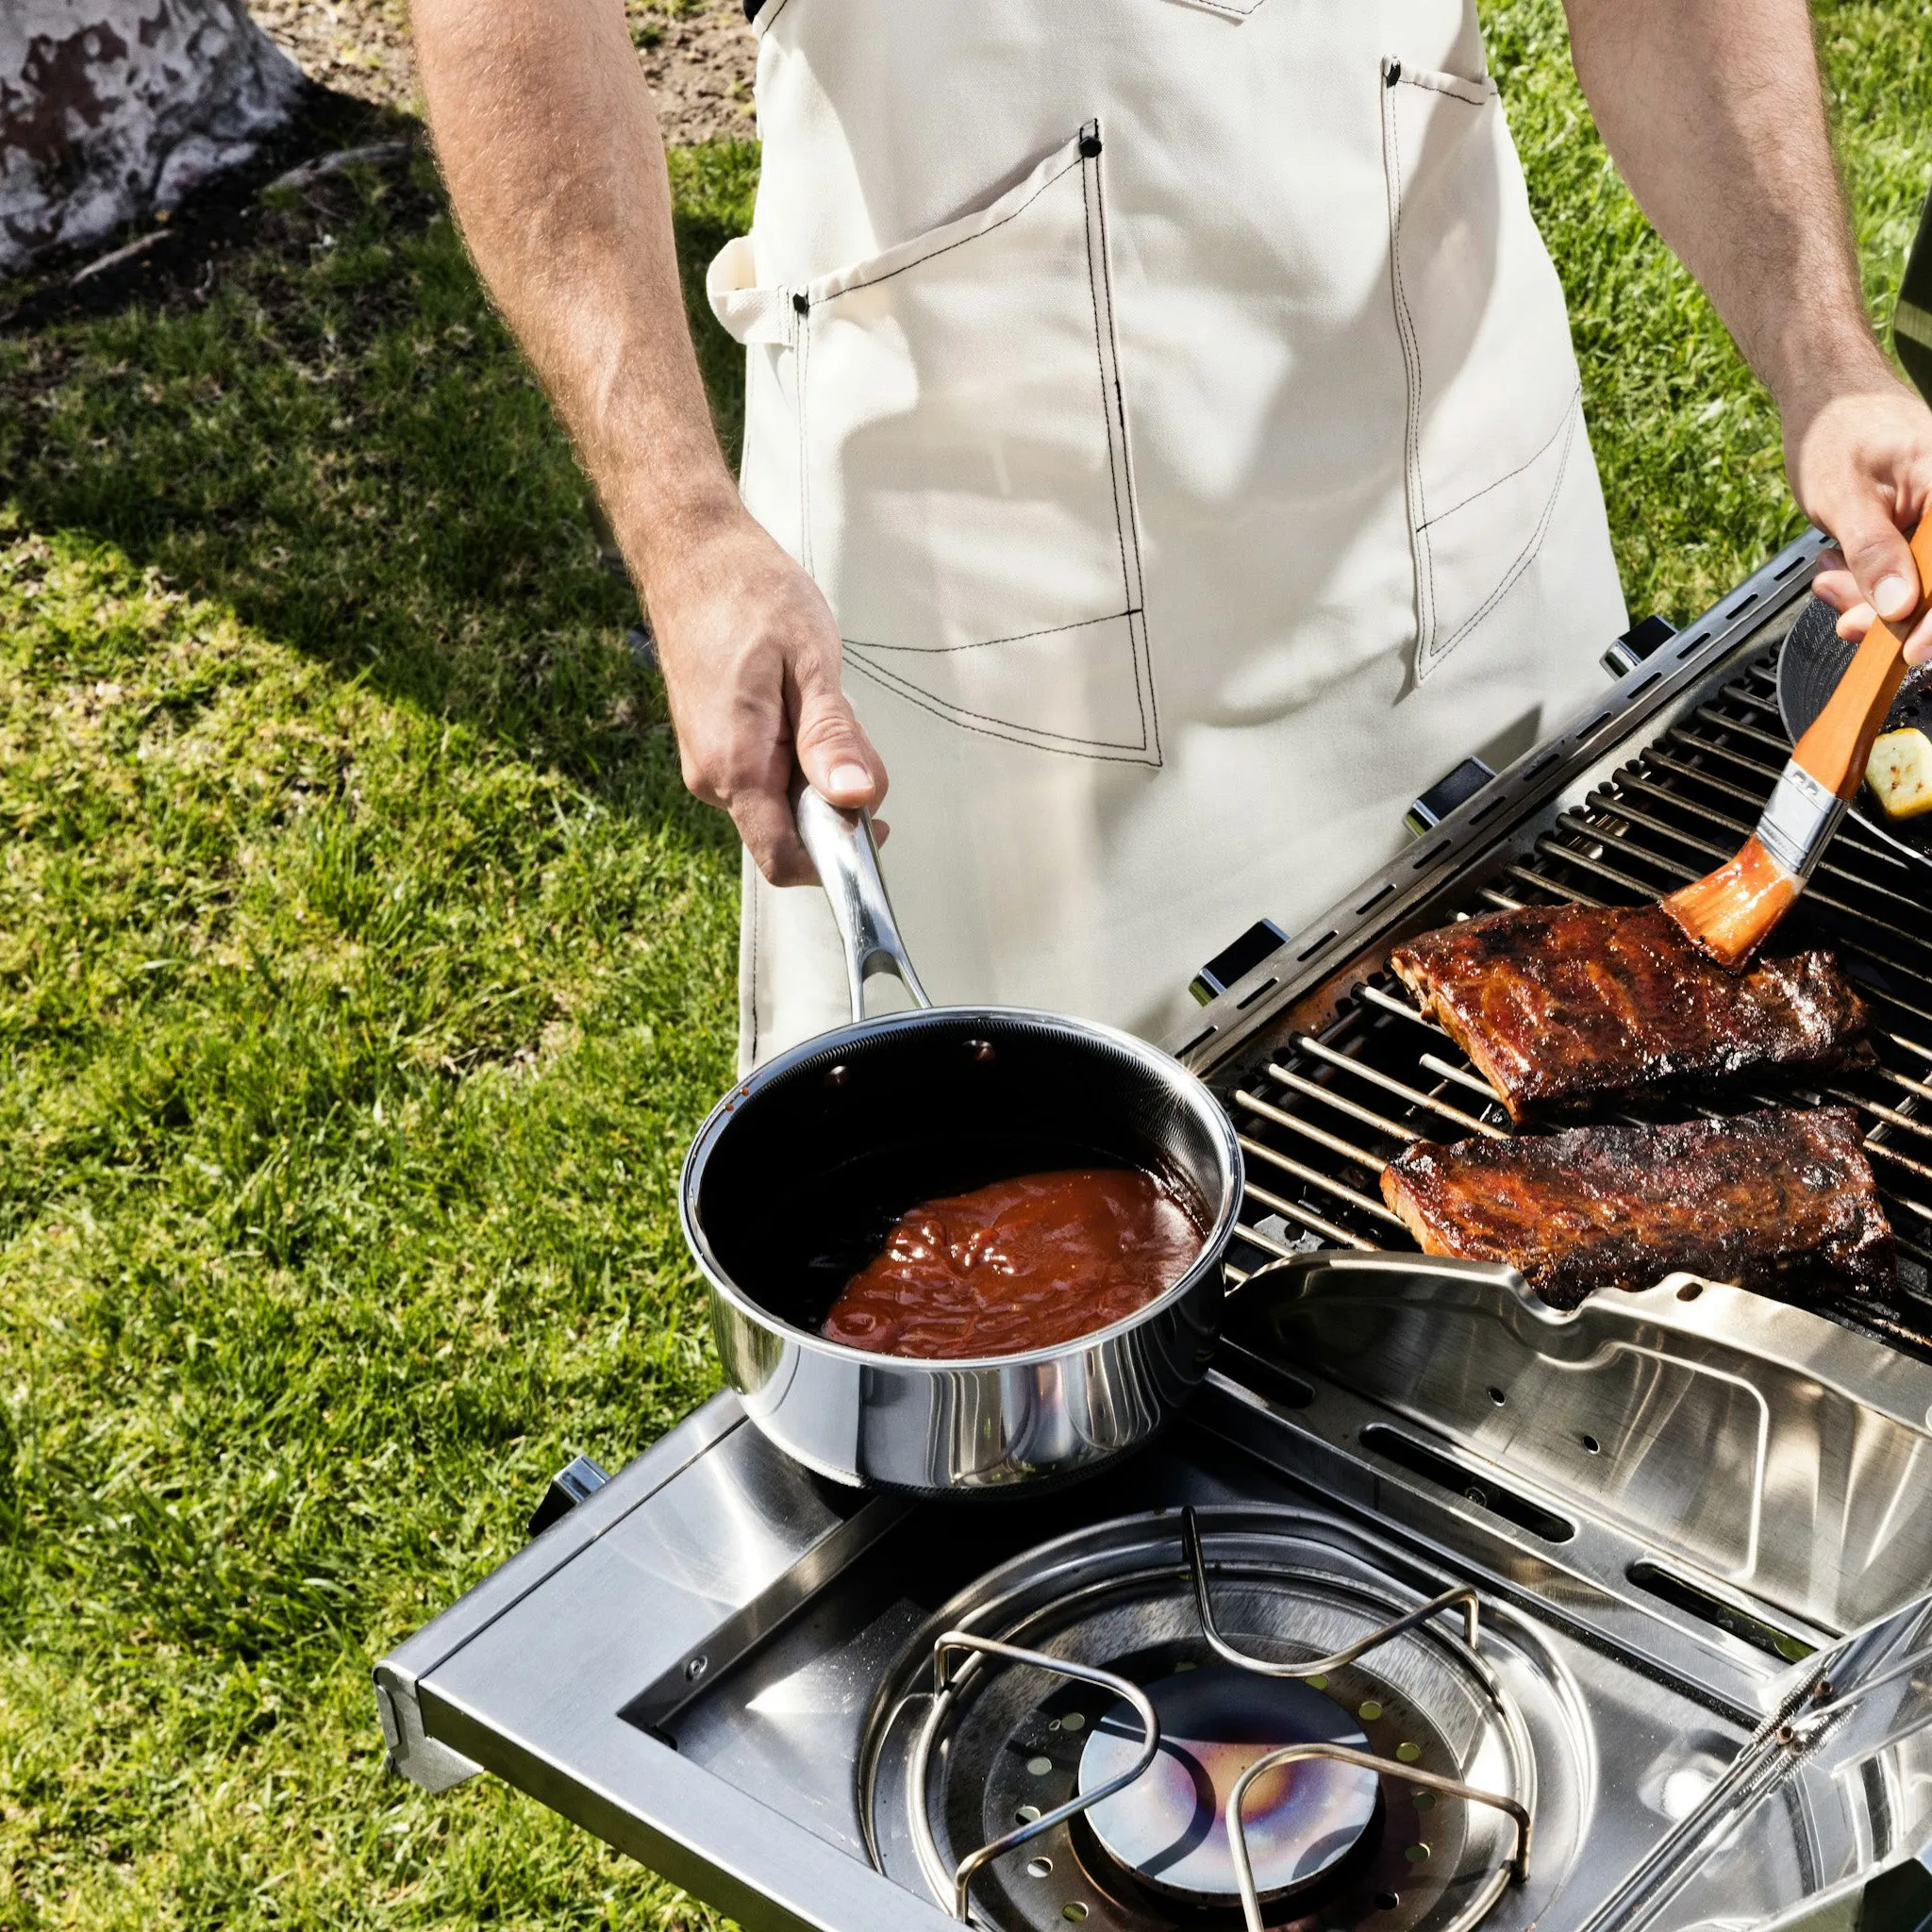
(1328, 1069)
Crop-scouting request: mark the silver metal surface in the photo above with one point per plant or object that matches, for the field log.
(746, 1791)
(529, 1677)
(1833, 1792)
(997, 1423)
(1754, 1446)
(1799, 820)
(841, 844)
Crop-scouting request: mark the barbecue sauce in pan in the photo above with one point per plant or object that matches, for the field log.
(1020, 1264)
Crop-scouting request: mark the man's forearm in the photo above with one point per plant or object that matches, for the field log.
(550, 145)
(549, 141)
(1713, 111)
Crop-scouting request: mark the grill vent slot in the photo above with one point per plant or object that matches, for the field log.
(1712, 1610)
(1470, 1484)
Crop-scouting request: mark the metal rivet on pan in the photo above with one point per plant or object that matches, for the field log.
(1039, 1766)
(696, 1669)
(1027, 1814)
(837, 1076)
(1074, 1722)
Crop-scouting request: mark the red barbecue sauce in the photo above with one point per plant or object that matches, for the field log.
(1021, 1264)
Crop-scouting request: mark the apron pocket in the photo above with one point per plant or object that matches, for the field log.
(967, 502)
(1494, 403)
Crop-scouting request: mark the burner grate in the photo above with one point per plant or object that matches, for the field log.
(1319, 1115)
(1196, 1679)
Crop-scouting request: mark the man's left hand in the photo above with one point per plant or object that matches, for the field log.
(1860, 465)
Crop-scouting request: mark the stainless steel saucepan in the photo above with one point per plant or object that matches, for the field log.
(793, 1181)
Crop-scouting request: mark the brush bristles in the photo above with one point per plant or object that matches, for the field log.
(1731, 913)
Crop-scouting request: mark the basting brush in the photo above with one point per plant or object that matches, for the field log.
(1731, 913)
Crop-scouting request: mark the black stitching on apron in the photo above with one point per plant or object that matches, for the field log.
(1411, 359)
(1115, 406)
(1019, 637)
(1529, 550)
(946, 248)
(1528, 463)
(751, 914)
(1088, 189)
(1126, 534)
(798, 376)
(995, 727)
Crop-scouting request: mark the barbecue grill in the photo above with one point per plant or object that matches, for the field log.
(1608, 1622)
(1328, 1069)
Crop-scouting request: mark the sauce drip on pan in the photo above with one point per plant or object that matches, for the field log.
(1021, 1264)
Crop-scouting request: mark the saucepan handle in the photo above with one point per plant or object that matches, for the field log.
(841, 844)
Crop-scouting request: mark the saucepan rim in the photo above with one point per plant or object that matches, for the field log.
(1187, 1086)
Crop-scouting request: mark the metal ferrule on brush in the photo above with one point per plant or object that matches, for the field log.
(1799, 819)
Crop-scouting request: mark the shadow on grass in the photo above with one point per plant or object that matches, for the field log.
(311, 415)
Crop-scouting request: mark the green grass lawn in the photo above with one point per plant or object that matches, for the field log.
(363, 972)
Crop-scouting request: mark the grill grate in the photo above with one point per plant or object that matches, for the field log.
(1318, 1116)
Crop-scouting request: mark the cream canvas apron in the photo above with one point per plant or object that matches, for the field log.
(1174, 402)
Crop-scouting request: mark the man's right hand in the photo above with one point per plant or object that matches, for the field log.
(549, 142)
(751, 658)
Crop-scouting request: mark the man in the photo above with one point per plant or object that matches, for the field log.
(1163, 446)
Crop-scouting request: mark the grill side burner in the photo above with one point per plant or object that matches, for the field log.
(1332, 1071)
(1412, 1697)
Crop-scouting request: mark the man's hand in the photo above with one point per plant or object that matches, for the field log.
(1714, 112)
(1861, 467)
(751, 659)
(549, 142)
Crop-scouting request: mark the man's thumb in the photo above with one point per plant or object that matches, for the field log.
(1881, 561)
(834, 752)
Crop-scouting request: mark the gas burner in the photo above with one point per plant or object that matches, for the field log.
(1217, 1721)
(1304, 1824)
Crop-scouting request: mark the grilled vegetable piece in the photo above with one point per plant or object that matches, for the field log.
(1900, 774)
(1559, 1006)
(1784, 1198)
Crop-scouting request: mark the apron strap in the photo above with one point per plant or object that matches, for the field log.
(748, 313)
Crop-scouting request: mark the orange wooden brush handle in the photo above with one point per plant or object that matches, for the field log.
(1838, 747)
